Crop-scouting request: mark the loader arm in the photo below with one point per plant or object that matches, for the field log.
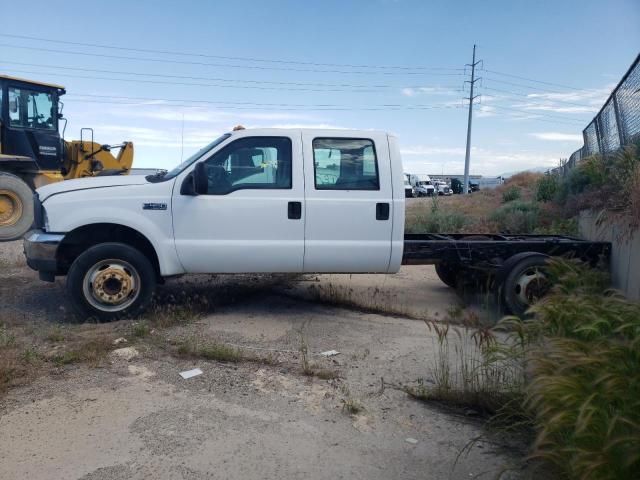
(87, 159)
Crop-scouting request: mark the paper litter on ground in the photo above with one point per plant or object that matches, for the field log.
(191, 373)
(330, 353)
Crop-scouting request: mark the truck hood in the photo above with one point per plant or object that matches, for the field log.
(90, 183)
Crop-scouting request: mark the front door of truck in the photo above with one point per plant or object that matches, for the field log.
(252, 218)
(348, 203)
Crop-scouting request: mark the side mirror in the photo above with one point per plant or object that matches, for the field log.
(200, 179)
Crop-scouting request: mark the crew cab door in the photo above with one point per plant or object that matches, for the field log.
(251, 219)
(348, 203)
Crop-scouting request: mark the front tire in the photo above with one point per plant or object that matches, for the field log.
(16, 207)
(111, 281)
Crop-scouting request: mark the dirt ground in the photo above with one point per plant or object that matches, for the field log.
(131, 416)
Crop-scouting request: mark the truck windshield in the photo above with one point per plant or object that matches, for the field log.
(164, 175)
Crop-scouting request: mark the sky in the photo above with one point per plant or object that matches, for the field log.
(171, 76)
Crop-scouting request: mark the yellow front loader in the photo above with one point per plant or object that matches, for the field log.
(33, 153)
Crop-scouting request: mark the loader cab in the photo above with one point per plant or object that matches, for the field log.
(29, 115)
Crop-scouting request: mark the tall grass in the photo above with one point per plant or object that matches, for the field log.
(470, 369)
(571, 371)
(583, 355)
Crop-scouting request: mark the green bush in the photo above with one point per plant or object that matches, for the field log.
(445, 222)
(516, 217)
(546, 188)
(511, 194)
(435, 220)
(560, 227)
(595, 169)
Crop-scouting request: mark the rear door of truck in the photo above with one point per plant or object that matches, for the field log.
(348, 202)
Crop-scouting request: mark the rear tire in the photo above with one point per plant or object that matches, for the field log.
(111, 281)
(525, 283)
(448, 273)
(16, 207)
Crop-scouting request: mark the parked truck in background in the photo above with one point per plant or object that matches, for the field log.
(422, 185)
(264, 200)
(408, 188)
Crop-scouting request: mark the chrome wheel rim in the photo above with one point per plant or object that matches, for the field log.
(532, 284)
(111, 285)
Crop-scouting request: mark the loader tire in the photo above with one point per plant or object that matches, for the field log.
(16, 207)
(111, 281)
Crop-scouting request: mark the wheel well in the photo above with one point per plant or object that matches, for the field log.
(78, 240)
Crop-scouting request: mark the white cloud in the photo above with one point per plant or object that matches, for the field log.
(204, 115)
(557, 136)
(413, 91)
(422, 150)
(485, 111)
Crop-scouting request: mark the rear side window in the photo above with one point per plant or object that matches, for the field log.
(345, 164)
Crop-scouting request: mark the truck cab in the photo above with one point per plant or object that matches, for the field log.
(265, 200)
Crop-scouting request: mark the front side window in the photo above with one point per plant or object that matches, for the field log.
(251, 163)
(345, 164)
(31, 109)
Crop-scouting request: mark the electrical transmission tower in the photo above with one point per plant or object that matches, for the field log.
(472, 83)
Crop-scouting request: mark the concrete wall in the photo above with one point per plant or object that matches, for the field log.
(625, 251)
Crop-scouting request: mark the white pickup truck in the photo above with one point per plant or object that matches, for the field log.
(264, 200)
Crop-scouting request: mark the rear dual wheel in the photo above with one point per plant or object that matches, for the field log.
(526, 282)
(522, 281)
(111, 281)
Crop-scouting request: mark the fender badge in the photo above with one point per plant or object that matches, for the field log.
(154, 206)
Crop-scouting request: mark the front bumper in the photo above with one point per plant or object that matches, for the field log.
(40, 249)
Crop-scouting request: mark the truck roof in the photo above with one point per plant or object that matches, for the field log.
(34, 82)
(328, 132)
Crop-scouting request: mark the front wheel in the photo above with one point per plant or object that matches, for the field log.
(111, 281)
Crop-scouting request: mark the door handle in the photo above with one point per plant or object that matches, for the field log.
(382, 211)
(294, 210)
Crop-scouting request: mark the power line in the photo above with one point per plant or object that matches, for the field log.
(546, 90)
(225, 102)
(560, 119)
(532, 109)
(527, 96)
(531, 79)
(306, 107)
(225, 57)
(256, 67)
(219, 79)
(160, 82)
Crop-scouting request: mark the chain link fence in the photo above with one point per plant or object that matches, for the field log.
(616, 124)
